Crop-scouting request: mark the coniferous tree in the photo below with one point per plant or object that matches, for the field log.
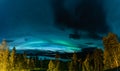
(111, 50)
(13, 59)
(5, 56)
(74, 58)
(51, 66)
(98, 60)
(73, 64)
(57, 62)
(28, 63)
(6, 63)
(86, 64)
(70, 66)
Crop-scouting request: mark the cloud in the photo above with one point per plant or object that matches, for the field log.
(88, 16)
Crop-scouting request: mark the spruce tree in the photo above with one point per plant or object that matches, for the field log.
(73, 66)
(75, 63)
(70, 67)
(13, 59)
(111, 51)
(98, 60)
(86, 64)
(51, 66)
(5, 56)
(6, 63)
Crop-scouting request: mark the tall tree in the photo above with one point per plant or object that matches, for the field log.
(70, 66)
(51, 66)
(57, 62)
(86, 64)
(6, 64)
(13, 58)
(73, 66)
(4, 56)
(111, 51)
(98, 60)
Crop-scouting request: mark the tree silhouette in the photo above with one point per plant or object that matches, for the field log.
(73, 66)
(111, 51)
(4, 56)
(70, 66)
(6, 63)
(98, 60)
(86, 64)
(51, 66)
(13, 58)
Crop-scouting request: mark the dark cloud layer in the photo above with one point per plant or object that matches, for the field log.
(88, 16)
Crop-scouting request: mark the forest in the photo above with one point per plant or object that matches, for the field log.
(107, 59)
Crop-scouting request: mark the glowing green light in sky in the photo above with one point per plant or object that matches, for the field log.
(62, 42)
(52, 46)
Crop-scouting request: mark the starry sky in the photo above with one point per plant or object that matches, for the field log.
(58, 25)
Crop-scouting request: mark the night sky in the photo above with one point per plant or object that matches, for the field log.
(58, 25)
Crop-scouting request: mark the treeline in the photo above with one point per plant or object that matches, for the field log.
(97, 60)
(10, 61)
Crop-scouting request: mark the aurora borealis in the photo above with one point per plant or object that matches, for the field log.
(47, 24)
(48, 46)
